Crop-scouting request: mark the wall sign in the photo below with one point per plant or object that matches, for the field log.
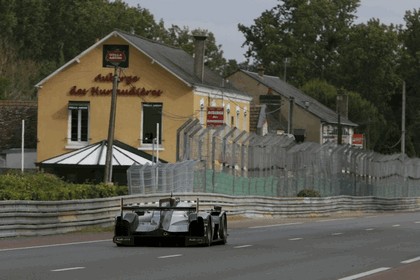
(357, 140)
(115, 56)
(108, 78)
(215, 116)
(96, 91)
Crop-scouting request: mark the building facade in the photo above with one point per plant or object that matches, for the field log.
(161, 89)
(291, 111)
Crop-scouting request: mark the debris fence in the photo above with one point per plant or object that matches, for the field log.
(229, 161)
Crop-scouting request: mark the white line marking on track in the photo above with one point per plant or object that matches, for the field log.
(369, 229)
(418, 222)
(54, 245)
(295, 239)
(411, 260)
(334, 220)
(68, 268)
(336, 233)
(275, 225)
(242, 246)
(395, 225)
(360, 275)
(169, 256)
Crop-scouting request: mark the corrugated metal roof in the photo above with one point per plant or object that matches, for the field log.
(95, 154)
(287, 90)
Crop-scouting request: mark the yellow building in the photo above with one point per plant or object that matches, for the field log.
(162, 87)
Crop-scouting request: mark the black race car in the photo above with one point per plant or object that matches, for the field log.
(173, 221)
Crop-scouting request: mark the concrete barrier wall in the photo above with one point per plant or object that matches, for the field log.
(30, 218)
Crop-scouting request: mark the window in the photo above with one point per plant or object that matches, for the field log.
(78, 123)
(152, 115)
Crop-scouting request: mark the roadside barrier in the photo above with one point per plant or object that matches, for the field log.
(31, 218)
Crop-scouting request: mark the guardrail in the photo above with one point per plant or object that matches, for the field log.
(30, 218)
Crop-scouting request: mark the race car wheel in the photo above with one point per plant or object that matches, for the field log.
(209, 233)
(223, 229)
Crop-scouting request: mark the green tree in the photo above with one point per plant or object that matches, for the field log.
(17, 75)
(29, 32)
(308, 33)
(361, 111)
(367, 116)
(322, 91)
(183, 38)
(44, 34)
(368, 62)
(8, 18)
(410, 71)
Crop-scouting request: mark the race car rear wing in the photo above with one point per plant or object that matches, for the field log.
(134, 208)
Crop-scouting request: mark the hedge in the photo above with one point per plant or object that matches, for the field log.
(44, 186)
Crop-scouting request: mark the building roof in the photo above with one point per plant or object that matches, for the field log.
(301, 99)
(175, 60)
(95, 154)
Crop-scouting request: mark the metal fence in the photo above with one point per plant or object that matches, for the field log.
(30, 218)
(229, 161)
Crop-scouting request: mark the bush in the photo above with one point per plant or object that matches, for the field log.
(309, 193)
(44, 186)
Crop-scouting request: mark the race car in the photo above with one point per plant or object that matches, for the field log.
(171, 222)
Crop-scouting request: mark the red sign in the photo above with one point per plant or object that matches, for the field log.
(215, 116)
(115, 56)
(357, 140)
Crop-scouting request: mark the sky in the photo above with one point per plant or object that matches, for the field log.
(221, 17)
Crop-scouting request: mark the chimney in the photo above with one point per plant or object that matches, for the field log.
(199, 49)
(260, 70)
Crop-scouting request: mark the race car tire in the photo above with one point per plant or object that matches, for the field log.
(209, 232)
(223, 229)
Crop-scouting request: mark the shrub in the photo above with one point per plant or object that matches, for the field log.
(309, 193)
(44, 186)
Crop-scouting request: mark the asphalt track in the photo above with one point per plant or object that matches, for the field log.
(376, 246)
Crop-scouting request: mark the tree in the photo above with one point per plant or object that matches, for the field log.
(48, 33)
(17, 74)
(308, 33)
(29, 33)
(322, 91)
(368, 62)
(410, 71)
(182, 38)
(361, 111)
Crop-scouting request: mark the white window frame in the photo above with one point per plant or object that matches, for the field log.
(71, 144)
(151, 146)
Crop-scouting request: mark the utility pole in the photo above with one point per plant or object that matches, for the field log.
(290, 122)
(115, 56)
(111, 129)
(286, 61)
(403, 122)
(339, 130)
(23, 147)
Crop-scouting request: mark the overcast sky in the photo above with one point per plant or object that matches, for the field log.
(221, 17)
